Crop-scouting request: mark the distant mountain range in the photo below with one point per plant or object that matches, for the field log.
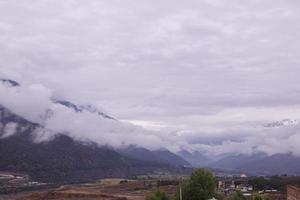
(196, 158)
(260, 164)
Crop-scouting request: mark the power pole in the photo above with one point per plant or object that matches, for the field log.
(180, 192)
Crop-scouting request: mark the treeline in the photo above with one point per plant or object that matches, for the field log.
(276, 182)
(201, 186)
(167, 182)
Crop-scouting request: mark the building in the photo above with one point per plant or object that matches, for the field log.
(245, 188)
(293, 193)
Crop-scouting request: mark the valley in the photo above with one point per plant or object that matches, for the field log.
(106, 189)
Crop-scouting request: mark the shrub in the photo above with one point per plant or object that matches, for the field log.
(158, 195)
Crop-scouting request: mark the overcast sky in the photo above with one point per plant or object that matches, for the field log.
(197, 68)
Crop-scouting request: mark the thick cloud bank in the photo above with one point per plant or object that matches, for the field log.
(34, 103)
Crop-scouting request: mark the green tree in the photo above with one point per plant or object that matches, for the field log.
(257, 197)
(219, 196)
(238, 195)
(260, 197)
(200, 186)
(267, 198)
(158, 195)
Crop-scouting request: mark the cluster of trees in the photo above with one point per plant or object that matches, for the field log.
(167, 182)
(239, 196)
(261, 197)
(275, 182)
(201, 186)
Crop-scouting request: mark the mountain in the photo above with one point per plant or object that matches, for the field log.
(64, 159)
(196, 158)
(260, 164)
(9, 121)
(158, 156)
(170, 158)
(276, 164)
(235, 162)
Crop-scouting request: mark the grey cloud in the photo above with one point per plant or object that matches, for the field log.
(31, 103)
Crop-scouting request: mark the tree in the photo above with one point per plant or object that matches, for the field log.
(257, 197)
(219, 196)
(200, 186)
(158, 196)
(260, 197)
(267, 198)
(238, 195)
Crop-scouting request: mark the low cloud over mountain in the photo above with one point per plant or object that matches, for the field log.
(35, 103)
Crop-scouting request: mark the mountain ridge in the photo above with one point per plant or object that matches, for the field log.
(260, 164)
(160, 155)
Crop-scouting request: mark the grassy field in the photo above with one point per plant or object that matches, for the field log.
(106, 189)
